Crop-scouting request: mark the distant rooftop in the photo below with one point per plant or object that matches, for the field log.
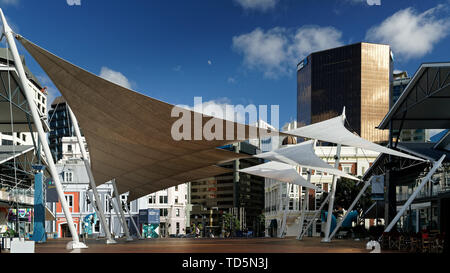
(6, 57)
(58, 100)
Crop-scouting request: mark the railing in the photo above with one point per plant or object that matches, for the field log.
(425, 193)
(14, 194)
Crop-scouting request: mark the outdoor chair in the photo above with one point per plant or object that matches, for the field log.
(426, 243)
(394, 241)
(414, 243)
(384, 241)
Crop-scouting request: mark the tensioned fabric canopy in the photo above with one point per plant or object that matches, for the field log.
(424, 102)
(129, 135)
(334, 131)
(281, 172)
(303, 154)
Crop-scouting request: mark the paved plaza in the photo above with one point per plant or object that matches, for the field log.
(176, 245)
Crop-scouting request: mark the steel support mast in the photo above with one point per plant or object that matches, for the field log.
(333, 191)
(98, 203)
(122, 215)
(23, 81)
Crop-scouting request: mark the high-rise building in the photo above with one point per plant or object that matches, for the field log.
(60, 126)
(237, 193)
(356, 76)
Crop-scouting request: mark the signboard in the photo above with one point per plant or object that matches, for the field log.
(377, 182)
(150, 231)
(149, 216)
(50, 191)
(302, 64)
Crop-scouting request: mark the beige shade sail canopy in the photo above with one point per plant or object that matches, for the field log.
(129, 135)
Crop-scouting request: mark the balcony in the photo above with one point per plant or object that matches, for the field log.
(16, 195)
(424, 193)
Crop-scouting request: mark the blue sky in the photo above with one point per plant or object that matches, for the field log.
(227, 51)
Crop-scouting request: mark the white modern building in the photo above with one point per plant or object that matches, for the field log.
(172, 204)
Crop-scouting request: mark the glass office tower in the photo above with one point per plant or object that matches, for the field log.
(356, 76)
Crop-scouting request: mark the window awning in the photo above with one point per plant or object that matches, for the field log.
(281, 172)
(129, 134)
(303, 154)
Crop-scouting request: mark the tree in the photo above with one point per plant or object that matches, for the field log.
(346, 192)
(231, 223)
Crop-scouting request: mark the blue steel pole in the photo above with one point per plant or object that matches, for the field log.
(39, 208)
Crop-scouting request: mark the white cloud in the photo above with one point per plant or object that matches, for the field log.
(277, 51)
(9, 2)
(261, 5)
(218, 108)
(231, 80)
(411, 34)
(115, 77)
(177, 68)
(209, 62)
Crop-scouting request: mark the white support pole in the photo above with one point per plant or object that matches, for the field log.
(122, 215)
(314, 217)
(360, 194)
(413, 196)
(332, 196)
(119, 217)
(134, 223)
(280, 209)
(304, 206)
(98, 201)
(29, 95)
(286, 208)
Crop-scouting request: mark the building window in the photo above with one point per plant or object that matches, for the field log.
(68, 176)
(151, 200)
(69, 148)
(163, 199)
(178, 228)
(107, 205)
(69, 199)
(176, 199)
(347, 169)
(177, 212)
(163, 212)
(176, 188)
(7, 142)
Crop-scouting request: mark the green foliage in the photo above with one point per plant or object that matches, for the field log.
(230, 220)
(346, 192)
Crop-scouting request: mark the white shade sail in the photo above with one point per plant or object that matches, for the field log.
(334, 131)
(281, 172)
(303, 154)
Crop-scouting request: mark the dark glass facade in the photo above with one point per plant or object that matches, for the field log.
(60, 126)
(234, 191)
(355, 76)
